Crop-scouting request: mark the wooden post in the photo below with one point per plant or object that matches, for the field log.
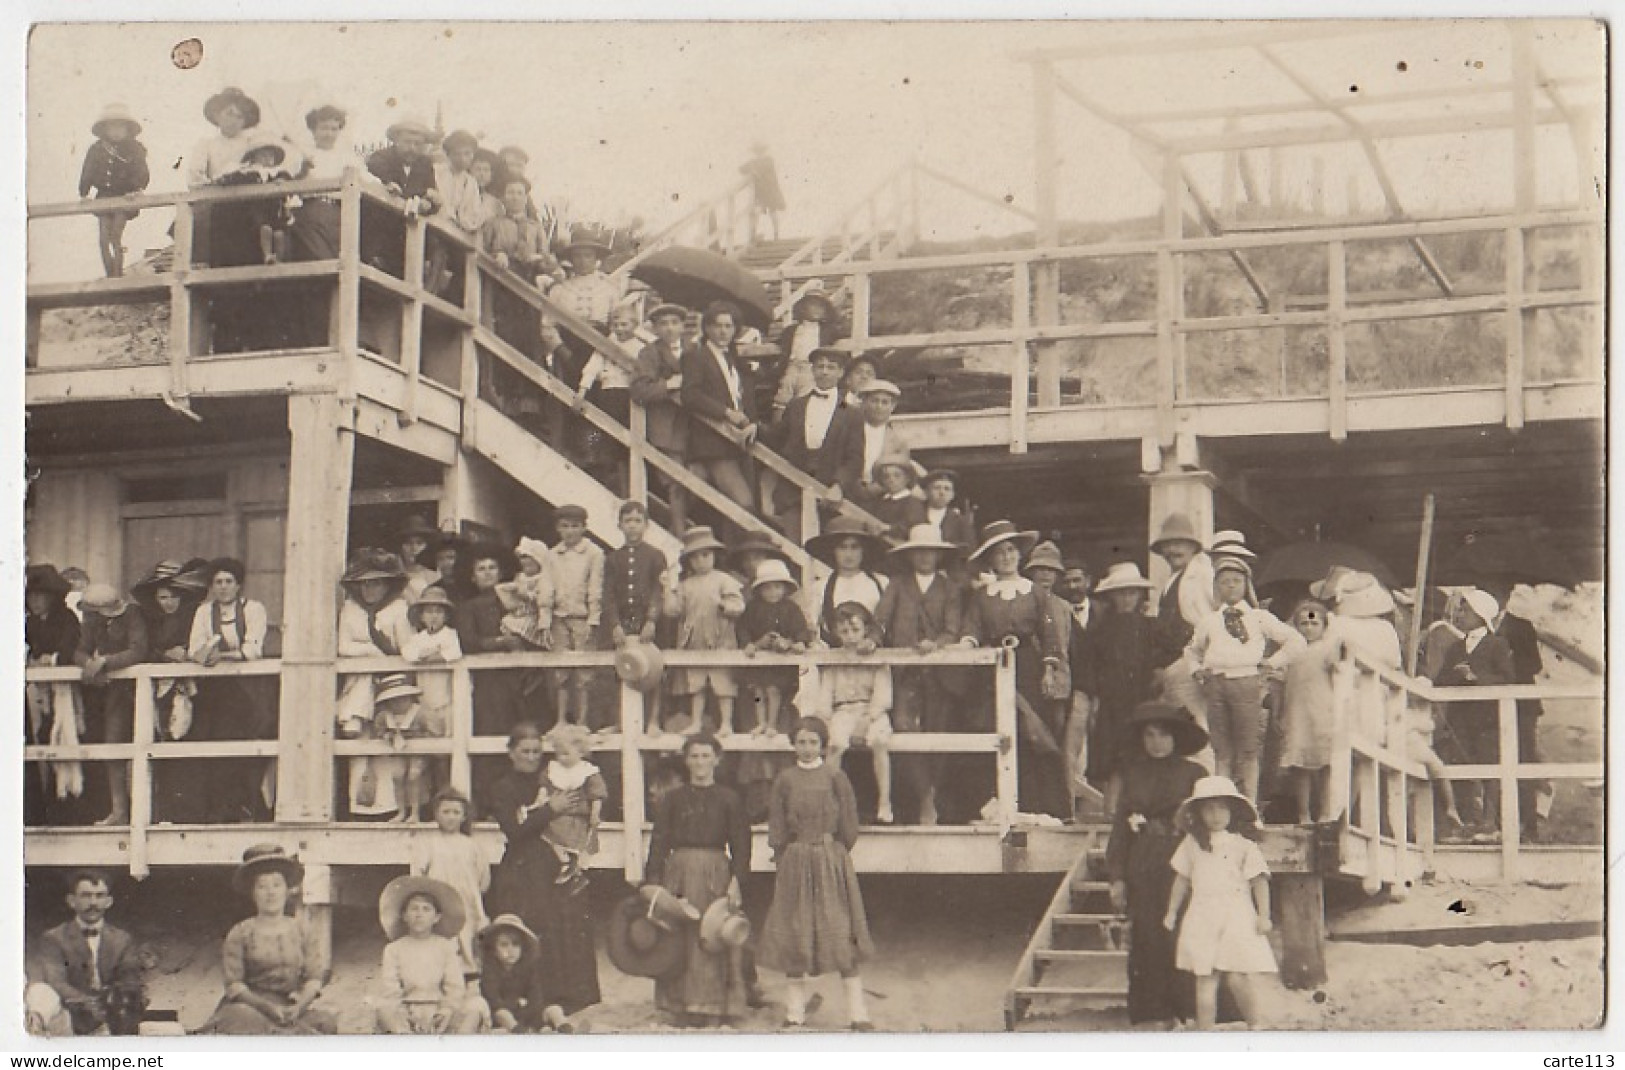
(1020, 384)
(1337, 378)
(809, 527)
(637, 473)
(183, 341)
(632, 788)
(1511, 826)
(462, 728)
(1518, 321)
(316, 892)
(1004, 719)
(320, 466)
(861, 281)
(140, 775)
(1300, 905)
(1423, 553)
(412, 318)
(346, 315)
(1170, 299)
(1340, 778)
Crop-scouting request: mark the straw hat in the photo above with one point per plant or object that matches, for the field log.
(700, 538)
(640, 665)
(1124, 576)
(642, 946)
(395, 894)
(822, 545)
(115, 113)
(395, 685)
(666, 908)
(46, 579)
(1004, 531)
(1230, 544)
(431, 596)
(267, 858)
(1189, 737)
(1045, 555)
(103, 600)
(510, 923)
(774, 571)
(924, 537)
(723, 927)
(1177, 528)
(409, 124)
(232, 95)
(1243, 813)
(166, 573)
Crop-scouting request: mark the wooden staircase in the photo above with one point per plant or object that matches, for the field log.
(1078, 954)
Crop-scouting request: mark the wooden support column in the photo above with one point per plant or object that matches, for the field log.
(140, 774)
(185, 339)
(346, 311)
(1300, 910)
(1021, 360)
(1179, 489)
(317, 895)
(1045, 289)
(632, 787)
(412, 318)
(1004, 723)
(320, 465)
(1170, 300)
(1337, 376)
(1511, 822)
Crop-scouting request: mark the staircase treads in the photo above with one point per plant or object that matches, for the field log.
(1073, 991)
(1079, 918)
(1081, 955)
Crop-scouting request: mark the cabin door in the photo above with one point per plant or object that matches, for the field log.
(180, 536)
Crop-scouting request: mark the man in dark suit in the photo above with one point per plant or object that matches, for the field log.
(656, 385)
(863, 443)
(807, 431)
(717, 385)
(86, 977)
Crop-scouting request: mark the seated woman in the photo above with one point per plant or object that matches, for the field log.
(230, 627)
(273, 963)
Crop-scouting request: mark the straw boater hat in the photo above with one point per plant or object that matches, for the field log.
(640, 665)
(723, 927)
(510, 923)
(700, 538)
(395, 685)
(267, 858)
(645, 940)
(1004, 531)
(1230, 544)
(395, 894)
(1189, 737)
(266, 141)
(431, 596)
(924, 537)
(815, 292)
(774, 571)
(758, 541)
(115, 113)
(232, 95)
(1124, 576)
(103, 600)
(46, 579)
(1045, 555)
(822, 545)
(409, 124)
(1243, 814)
(587, 236)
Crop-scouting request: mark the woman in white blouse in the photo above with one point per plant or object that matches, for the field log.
(227, 628)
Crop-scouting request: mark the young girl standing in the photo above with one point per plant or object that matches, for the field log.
(817, 924)
(451, 855)
(1225, 880)
(1306, 709)
(706, 603)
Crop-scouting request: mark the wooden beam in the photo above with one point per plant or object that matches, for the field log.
(1216, 37)
(1337, 339)
(1381, 130)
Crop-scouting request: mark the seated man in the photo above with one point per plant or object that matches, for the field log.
(87, 977)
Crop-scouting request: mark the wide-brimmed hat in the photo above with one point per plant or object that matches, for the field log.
(395, 685)
(431, 596)
(265, 141)
(773, 571)
(1479, 601)
(1356, 594)
(46, 579)
(417, 528)
(1230, 543)
(925, 537)
(510, 923)
(641, 946)
(103, 599)
(395, 894)
(232, 95)
(372, 563)
(167, 573)
(1045, 555)
(1242, 812)
(700, 538)
(267, 858)
(668, 908)
(115, 113)
(640, 666)
(409, 124)
(815, 292)
(822, 545)
(588, 237)
(723, 927)
(1124, 576)
(1177, 528)
(756, 542)
(1189, 737)
(880, 386)
(1004, 531)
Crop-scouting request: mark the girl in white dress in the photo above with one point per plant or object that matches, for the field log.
(451, 854)
(1225, 880)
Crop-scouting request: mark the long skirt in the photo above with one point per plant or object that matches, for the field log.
(1157, 991)
(240, 1020)
(817, 924)
(711, 983)
(523, 884)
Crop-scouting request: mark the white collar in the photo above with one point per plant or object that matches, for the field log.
(1009, 588)
(814, 764)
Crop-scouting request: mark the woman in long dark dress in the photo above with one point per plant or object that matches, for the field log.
(1143, 839)
(1118, 674)
(169, 597)
(523, 883)
(700, 850)
(1009, 608)
(230, 627)
(51, 633)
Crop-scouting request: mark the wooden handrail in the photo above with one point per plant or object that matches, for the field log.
(667, 235)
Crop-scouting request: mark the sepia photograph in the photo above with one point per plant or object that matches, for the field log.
(720, 528)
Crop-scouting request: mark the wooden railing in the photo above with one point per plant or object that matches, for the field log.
(632, 739)
(722, 224)
(1379, 789)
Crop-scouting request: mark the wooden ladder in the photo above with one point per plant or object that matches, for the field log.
(1079, 952)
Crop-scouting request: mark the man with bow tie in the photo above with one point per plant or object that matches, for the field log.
(87, 977)
(809, 426)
